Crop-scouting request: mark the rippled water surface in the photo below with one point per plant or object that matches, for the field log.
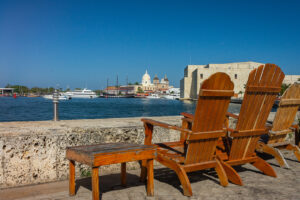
(37, 109)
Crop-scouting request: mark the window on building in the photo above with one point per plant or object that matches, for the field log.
(235, 76)
(201, 76)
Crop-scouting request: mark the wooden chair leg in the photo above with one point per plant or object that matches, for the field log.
(71, 178)
(264, 148)
(123, 174)
(183, 178)
(150, 175)
(221, 174)
(232, 175)
(95, 183)
(295, 149)
(264, 167)
(143, 171)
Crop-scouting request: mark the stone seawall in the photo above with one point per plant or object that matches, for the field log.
(34, 152)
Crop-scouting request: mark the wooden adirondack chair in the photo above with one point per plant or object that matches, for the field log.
(282, 125)
(263, 86)
(197, 151)
(264, 83)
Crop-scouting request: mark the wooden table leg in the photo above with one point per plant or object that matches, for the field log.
(71, 177)
(143, 171)
(123, 174)
(95, 183)
(150, 184)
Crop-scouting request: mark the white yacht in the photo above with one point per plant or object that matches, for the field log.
(171, 96)
(60, 97)
(153, 96)
(85, 93)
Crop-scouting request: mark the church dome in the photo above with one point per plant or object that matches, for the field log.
(156, 78)
(146, 80)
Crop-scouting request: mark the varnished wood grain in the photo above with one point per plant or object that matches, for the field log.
(262, 87)
(199, 133)
(150, 175)
(71, 178)
(95, 183)
(123, 174)
(281, 126)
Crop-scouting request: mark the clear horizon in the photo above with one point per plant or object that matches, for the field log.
(84, 43)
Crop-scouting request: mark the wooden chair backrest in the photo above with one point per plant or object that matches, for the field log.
(285, 115)
(213, 101)
(263, 86)
(288, 107)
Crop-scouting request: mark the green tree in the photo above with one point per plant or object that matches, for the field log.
(98, 92)
(283, 88)
(140, 90)
(136, 83)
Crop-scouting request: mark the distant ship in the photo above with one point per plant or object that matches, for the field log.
(171, 96)
(85, 93)
(60, 97)
(153, 96)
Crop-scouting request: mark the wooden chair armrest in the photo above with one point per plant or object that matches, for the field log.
(187, 115)
(230, 130)
(164, 125)
(229, 114)
(187, 119)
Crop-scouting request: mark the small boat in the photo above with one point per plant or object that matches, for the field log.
(60, 97)
(85, 93)
(171, 96)
(153, 96)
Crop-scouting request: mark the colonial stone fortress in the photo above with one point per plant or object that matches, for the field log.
(238, 72)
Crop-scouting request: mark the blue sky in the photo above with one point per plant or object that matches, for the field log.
(82, 43)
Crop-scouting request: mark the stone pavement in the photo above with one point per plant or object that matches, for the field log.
(205, 185)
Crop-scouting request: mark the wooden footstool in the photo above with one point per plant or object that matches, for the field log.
(106, 154)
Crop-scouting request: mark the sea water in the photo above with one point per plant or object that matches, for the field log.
(38, 109)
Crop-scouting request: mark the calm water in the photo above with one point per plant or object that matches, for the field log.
(37, 109)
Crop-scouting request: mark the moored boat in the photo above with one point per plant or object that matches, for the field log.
(85, 93)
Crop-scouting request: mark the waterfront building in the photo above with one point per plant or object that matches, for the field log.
(238, 72)
(290, 79)
(157, 86)
(6, 91)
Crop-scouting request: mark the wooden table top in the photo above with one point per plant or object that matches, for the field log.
(104, 148)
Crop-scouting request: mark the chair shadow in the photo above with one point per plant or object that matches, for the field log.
(109, 182)
(168, 176)
(266, 157)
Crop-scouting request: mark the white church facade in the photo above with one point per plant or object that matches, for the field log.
(238, 72)
(156, 86)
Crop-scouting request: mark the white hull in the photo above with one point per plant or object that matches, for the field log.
(82, 94)
(153, 96)
(172, 97)
(51, 97)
